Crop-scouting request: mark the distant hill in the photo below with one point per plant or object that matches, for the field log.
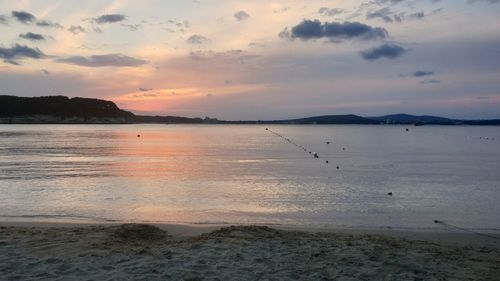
(332, 119)
(325, 119)
(64, 110)
(402, 118)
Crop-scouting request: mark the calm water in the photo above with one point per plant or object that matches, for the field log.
(245, 174)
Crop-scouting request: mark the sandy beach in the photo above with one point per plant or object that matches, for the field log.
(53, 251)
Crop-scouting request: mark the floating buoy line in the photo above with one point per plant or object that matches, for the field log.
(449, 227)
(290, 141)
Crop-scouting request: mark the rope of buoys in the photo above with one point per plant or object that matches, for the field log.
(465, 229)
(390, 194)
(303, 148)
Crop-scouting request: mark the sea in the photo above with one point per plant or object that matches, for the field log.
(346, 176)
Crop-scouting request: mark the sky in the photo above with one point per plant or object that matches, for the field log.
(259, 59)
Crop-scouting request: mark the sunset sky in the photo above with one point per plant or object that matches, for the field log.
(258, 59)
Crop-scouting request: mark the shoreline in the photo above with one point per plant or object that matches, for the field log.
(189, 230)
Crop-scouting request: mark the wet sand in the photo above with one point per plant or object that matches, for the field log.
(53, 251)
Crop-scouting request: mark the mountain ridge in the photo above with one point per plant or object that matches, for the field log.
(63, 110)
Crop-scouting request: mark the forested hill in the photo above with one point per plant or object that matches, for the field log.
(60, 106)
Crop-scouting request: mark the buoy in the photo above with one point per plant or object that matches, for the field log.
(138, 136)
(343, 148)
(407, 129)
(436, 221)
(266, 129)
(390, 193)
(326, 161)
(338, 167)
(316, 155)
(327, 142)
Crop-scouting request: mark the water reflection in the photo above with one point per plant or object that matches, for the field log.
(202, 174)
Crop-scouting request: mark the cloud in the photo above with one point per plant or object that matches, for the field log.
(422, 73)
(197, 40)
(483, 98)
(23, 17)
(381, 2)
(117, 60)
(280, 10)
(488, 1)
(314, 29)
(18, 52)
(32, 36)
(419, 15)
(145, 89)
(132, 27)
(330, 11)
(111, 18)
(390, 51)
(45, 71)
(3, 19)
(387, 15)
(430, 81)
(47, 23)
(76, 29)
(241, 15)
(384, 14)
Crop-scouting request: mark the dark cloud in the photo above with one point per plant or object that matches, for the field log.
(314, 29)
(422, 73)
(23, 17)
(19, 52)
(103, 61)
(76, 29)
(330, 11)
(32, 36)
(47, 23)
(111, 18)
(390, 51)
(197, 40)
(145, 89)
(241, 15)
